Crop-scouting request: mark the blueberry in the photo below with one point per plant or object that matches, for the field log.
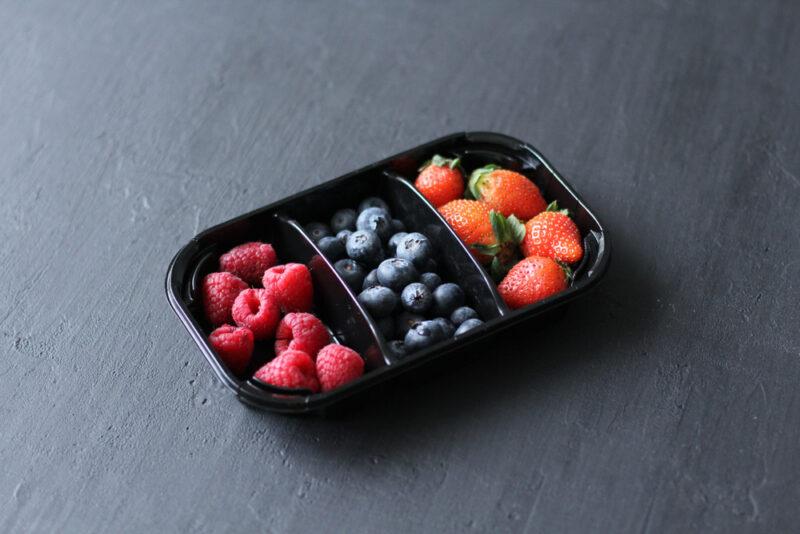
(416, 248)
(317, 230)
(416, 298)
(377, 220)
(379, 301)
(446, 328)
(432, 280)
(332, 248)
(351, 272)
(344, 220)
(397, 348)
(342, 235)
(398, 226)
(462, 314)
(446, 298)
(394, 240)
(396, 273)
(468, 325)
(371, 280)
(422, 336)
(365, 246)
(386, 327)
(404, 321)
(430, 266)
(373, 202)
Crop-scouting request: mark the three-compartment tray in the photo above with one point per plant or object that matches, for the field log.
(281, 224)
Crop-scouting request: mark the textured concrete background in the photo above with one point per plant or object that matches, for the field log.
(666, 401)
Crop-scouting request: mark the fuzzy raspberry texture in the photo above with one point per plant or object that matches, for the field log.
(337, 365)
(234, 345)
(249, 261)
(291, 285)
(257, 310)
(219, 292)
(301, 331)
(293, 369)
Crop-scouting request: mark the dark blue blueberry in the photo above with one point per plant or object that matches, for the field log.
(394, 240)
(446, 328)
(373, 202)
(371, 280)
(415, 248)
(317, 230)
(379, 301)
(461, 314)
(398, 226)
(446, 298)
(432, 280)
(332, 248)
(396, 273)
(342, 235)
(377, 220)
(351, 272)
(404, 321)
(386, 327)
(397, 349)
(468, 325)
(365, 246)
(344, 220)
(416, 298)
(423, 335)
(430, 266)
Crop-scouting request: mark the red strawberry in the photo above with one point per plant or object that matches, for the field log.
(440, 180)
(219, 292)
(301, 331)
(337, 365)
(506, 191)
(234, 345)
(294, 369)
(291, 285)
(257, 310)
(532, 280)
(552, 234)
(249, 261)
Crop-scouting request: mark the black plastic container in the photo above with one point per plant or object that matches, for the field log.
(280, 223)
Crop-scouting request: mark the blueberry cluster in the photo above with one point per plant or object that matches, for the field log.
(393, 272)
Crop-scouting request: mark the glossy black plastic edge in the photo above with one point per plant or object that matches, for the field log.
(321, 401)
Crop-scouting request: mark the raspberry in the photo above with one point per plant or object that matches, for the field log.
(293, 369)
(249, 261)
(234, 345)
(219, 292)
(257, 310)
(301, 331)
(337, 365)
(291, 285)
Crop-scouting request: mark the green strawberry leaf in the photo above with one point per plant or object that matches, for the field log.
(568, 272)
(489, 250)
(499, 227)
(455, 163)
(477, 176)
(498, 270)
(516, 229)
(553, 206)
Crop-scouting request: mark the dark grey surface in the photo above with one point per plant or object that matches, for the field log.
(666, 401)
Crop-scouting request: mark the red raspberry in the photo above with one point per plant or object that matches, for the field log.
(337, 365)
(234, 345)
(293, 369)
(249, 261)
(291, 284)
(219, 292)
(257, 310)
(301, 331)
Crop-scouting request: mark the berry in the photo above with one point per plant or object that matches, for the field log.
(462, 314)
(416, 298)
(430, 266)
(531, 280)
(376, 220)
(337, 365)
(398, 226)
(291, 285)
(446, 328)
(379, 301)
(293, 369)
(351, 272)
(440, 180)
(301, 331)
(317, 230)
(257, 310)
(406, 321)
(386, 327)
(432, 280)
(332, 248)
(552, 234)
(416, 248)
(506, 191)
(394, 241)
(468, 325)
(373, 202)
(249, 261)
(219, 292)
(371, 280)
(396, 273)
(365, 246)
(423, 335)
(234, 345)
(342, 235)
(344, 220)
(446, 298)
(397, 349)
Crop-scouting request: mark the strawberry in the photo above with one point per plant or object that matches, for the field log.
(506, 191)
(440, 180)
(552, 234)
(490, 236)
(531, 280)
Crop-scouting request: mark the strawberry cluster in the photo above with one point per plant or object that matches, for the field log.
(252, 298)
